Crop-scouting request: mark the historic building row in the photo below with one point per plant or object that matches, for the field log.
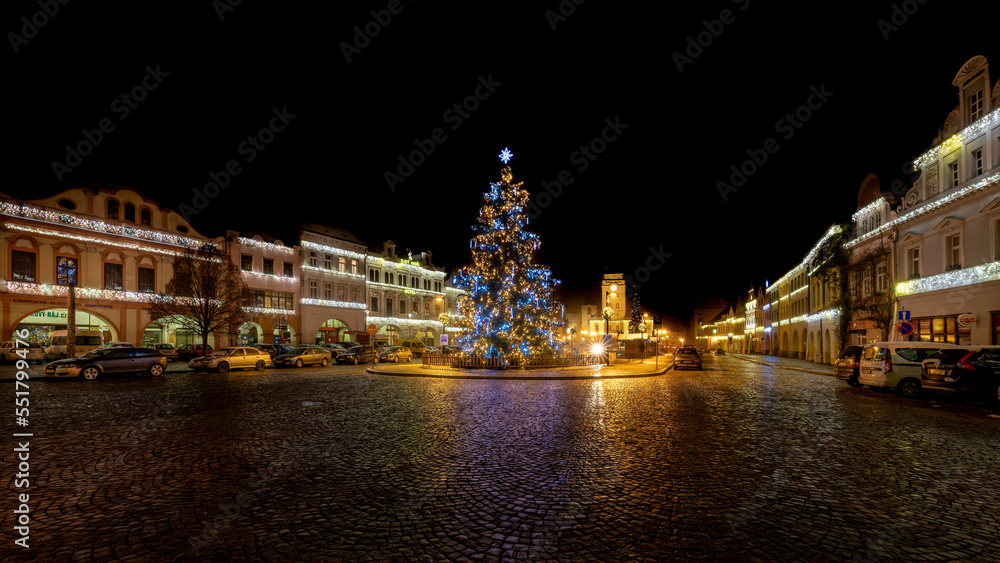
(931, 254)
(116, 247)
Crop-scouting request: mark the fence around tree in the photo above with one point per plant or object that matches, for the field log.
(472, 361)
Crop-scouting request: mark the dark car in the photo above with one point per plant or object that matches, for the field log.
(274, 350)
(359, 355)
(720, 352)
(109, 361)
(978, 373)
(302, 356)
(188, 351)
(937, 370)
(848, 365)
(687, 358)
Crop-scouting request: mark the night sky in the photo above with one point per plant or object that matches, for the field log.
(543, 93)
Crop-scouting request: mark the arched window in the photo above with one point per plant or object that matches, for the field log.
(112, 208)
(130, 212)
(146, 217)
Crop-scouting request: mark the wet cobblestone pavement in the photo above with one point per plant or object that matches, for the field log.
(740, 461)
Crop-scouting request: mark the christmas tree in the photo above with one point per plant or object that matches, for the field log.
(508, 309)
(633, 323)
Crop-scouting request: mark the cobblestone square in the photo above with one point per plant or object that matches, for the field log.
(740, 461)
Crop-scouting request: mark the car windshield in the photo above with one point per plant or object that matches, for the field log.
(223, 352)
(299, 351)
(391, 349)
(355, 349)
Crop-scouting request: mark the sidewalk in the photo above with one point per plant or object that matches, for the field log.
(788, 363)
(618, 370)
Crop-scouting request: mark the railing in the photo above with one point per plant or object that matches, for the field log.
(470, 361)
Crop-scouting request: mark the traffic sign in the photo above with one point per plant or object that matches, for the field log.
(905, 328)
(903, 316)
(372, 329)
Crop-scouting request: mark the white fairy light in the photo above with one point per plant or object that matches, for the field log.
(947, 280)
(331, 303)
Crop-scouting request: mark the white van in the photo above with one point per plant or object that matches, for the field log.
(86, 340)
(896, 365)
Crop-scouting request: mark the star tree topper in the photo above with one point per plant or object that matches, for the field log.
(505, 155)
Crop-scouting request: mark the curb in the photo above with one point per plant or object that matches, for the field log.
(783, 367)
(521, 377)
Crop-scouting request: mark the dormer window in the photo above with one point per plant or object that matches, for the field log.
(130, 212)
(976, 106)
(112, 209)
(145, 217)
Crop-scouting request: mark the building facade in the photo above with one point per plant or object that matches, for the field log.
(114, 245)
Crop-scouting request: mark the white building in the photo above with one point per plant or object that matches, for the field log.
(947, 232)
(332, 266)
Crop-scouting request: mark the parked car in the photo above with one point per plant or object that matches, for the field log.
(720, 352)
(687, 358)
(847, 366)
(119, 344)
(967, 370)
(86, 340)
(417, 347)
(166, 349)
(395, 354)
(10, 351)
(188, 351)
(274, 350)
(304, 355)
(109, 361)
(358, 354)
(335, 347)
(896, 365)
(235, 357)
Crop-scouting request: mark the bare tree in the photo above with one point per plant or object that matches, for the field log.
(206, 294)
(869, 301)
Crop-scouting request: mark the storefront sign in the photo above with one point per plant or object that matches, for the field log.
(966, 320)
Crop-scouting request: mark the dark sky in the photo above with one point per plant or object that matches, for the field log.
(552, 90)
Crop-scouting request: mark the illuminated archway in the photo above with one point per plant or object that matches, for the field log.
(251, 333)
(41, 323)
(332, 330)
(169, 331)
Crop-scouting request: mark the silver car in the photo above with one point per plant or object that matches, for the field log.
(304, 355)
(236, 357)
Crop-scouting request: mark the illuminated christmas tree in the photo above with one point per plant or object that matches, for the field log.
(508, 310)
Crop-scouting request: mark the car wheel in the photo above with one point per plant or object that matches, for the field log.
(355, 360)
(156, 370)
(298, 363)
(853, 382)
(396, 359)
(908, 388)
(323, 362)
(260, 365)
(223, 367)
(90, 373)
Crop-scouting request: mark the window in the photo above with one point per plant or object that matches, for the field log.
(341, 292)
(342, 264)
(414, 282)
(112, 208)
(954, 173)
(402, 307)
(130, 212)
(286, 269)
(388, 307)
(268, 266)
(354, 294)
(66, 270)
(977, 162)
(374, 304)
(881, 277)
(313, 259)
(995, 315)
(23, 266)
(955, 251)
(112, 276)
(915, 262)
(313, 289)
(866, 283)
(941, 329)
(145, 217)
(976, 106)
(373, 275)
(246, 262)
(271, 299)
(388, 277)
(354, 266)
(327, 290)
(328, 262)
(427, 285)
(402, 280)
(147, 280)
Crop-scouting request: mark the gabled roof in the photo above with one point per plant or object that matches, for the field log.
(332, 232)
